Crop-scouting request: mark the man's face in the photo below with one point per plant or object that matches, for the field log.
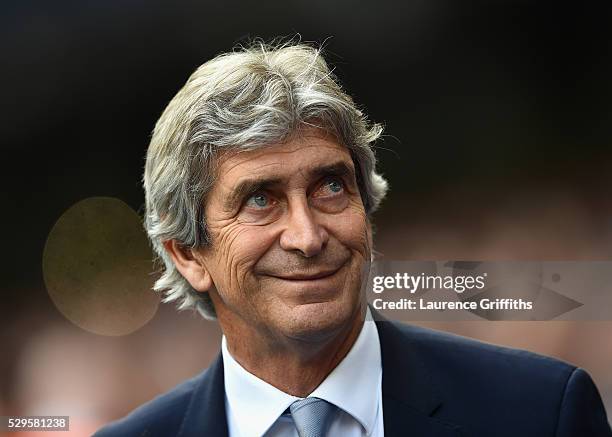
(289, 239)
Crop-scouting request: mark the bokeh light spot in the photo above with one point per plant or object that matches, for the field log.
(97, 267)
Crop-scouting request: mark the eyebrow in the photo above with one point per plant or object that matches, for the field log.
(340, 168)
(251, 186)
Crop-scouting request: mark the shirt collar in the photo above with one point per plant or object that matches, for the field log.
(256, 405)
(361, 370)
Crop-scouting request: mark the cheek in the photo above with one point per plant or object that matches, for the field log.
(350, 228)
(238, 248)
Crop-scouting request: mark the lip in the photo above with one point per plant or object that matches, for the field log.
(308, 276)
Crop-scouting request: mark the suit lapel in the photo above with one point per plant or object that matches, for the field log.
(205, 415)
(410, 396)
(400, 420)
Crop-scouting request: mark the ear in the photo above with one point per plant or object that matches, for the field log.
(190, 265)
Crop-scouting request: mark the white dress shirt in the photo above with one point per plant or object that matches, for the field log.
(254, 407)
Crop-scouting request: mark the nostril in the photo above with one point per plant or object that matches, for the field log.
(307, 240)
(310, 246)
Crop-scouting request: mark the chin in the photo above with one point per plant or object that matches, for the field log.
(319, 320)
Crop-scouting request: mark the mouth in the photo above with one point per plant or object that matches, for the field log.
(307, 276)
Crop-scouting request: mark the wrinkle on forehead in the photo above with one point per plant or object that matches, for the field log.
(275, 160)
(300, 139)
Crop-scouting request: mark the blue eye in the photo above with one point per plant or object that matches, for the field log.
(258, 200)
(334, 185)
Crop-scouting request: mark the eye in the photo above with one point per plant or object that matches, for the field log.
(258, 200)
(335, 186)
(331, 187)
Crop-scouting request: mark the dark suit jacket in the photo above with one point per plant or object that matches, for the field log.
(434, 384)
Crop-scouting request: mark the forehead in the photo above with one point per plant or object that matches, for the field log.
(303, 152)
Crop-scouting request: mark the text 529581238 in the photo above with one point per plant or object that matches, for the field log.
(35, 423)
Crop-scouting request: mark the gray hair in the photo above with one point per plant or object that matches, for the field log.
(246, 99)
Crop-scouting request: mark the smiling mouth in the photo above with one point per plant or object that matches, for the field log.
(307, 276)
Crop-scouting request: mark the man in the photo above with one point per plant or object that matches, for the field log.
(260, 183)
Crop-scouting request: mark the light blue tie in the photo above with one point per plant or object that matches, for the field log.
(312, 416)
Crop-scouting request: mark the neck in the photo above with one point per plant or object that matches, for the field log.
(294, 366)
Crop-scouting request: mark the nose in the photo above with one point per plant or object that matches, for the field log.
(303, 233)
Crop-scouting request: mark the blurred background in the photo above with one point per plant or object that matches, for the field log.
(498, 146)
